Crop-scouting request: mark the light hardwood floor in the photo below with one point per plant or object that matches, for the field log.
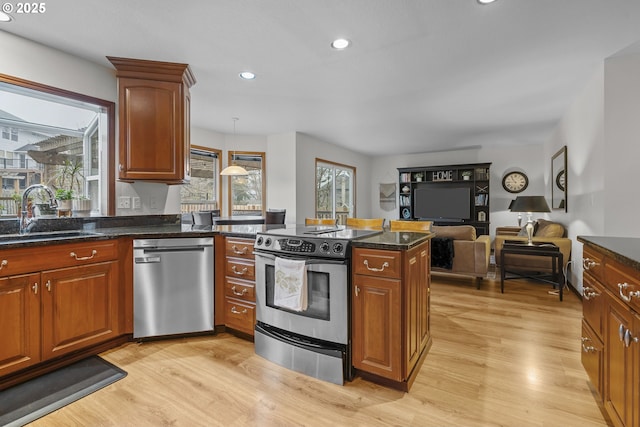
(508, 359)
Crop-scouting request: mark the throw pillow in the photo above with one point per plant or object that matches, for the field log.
(549, 229)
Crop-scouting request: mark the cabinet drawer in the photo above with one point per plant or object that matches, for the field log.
(593, 304)
(240, 248)
(36, 258)
(376, 262)
(240, 315)
(240, 269)
(241, 289)
(592, 357)
(623, 282)
(593, 262)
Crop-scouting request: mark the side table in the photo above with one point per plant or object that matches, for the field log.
(544, 249)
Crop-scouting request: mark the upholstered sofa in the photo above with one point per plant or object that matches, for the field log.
(456, 249)
(544, 231)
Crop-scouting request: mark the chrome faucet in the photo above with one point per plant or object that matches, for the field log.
(25, 222)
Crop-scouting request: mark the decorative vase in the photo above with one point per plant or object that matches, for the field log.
(81, 207)
(64, 205)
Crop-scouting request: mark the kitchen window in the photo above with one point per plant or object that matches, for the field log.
(203, 191)
(50, 129)
(246, 193)
(335, 190)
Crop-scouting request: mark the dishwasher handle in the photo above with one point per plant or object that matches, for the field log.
(147, 259)
(160, 249)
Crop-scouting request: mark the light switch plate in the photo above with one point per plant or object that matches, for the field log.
(135, 201)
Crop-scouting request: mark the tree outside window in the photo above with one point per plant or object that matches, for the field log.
(246, 193)
(335, 190)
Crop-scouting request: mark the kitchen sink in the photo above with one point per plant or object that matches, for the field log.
(44, 236)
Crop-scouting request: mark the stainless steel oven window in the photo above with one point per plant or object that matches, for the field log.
(318, 294)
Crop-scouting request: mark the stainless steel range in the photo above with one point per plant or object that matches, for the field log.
(313, 338)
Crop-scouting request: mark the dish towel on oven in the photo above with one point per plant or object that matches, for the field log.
(290, 290)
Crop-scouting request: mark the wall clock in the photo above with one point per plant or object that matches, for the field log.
(560, 180)
(515, 182)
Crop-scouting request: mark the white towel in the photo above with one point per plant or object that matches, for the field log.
(290, 284)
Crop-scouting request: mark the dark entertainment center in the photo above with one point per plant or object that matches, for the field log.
(446, 195)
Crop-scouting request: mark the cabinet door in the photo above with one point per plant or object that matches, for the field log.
(19, 322)
(377, 326)
(152, 130)
(416, 282)
(619, 363)
(592, 303)
(79, 307)
(592, 356)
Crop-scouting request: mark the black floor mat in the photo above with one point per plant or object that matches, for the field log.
(35, 398)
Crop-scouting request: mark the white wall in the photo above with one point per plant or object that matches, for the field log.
(622, 154)
(32, 61)
(281, 174)
(308, 149)
(582, 131)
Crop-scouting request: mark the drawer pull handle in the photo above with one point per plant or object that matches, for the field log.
(83, 258)
(35, 288)
(234, 310)
(3, 264)
(242, 252)
(589, 293)
(241, 272)
(588, 348)
(244, 291)
(628, 338)
(366, 264)
(632, 294)
(588, 263)
(48, 285)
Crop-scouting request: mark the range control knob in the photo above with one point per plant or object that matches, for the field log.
(338, 248)
(324, 247)
(259, 241)
(267, 242)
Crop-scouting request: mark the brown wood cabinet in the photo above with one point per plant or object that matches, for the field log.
(154, 120)
(390, 324)
(239, 285)
(52, 311)
(611, 333)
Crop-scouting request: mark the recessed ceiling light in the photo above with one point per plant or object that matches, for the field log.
(247, 75)
(485, 1)
(4, 17)
(340, 44)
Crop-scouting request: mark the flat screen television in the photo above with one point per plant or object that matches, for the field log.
(442, 203)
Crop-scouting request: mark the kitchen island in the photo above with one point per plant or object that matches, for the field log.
(390, 306)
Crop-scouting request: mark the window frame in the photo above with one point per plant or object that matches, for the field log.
(334, 165)
(218, 153)
(263, 156)
(110, 112)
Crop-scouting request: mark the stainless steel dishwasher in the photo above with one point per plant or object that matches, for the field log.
(172, 286)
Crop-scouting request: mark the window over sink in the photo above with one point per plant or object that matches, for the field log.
(45, 131)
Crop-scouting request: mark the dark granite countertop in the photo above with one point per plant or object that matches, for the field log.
(102, 228)
(625, 250)
(392, 240)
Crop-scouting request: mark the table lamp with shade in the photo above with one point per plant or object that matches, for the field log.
(529, 204)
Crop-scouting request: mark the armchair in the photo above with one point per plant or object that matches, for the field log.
(544, 231)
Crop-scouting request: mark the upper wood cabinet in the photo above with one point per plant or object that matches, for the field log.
(154, 120)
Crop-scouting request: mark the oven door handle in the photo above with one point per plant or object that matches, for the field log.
(308, 261)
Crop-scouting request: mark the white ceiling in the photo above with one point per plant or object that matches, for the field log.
(421, 75)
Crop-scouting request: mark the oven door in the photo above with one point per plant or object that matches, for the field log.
(326, 317)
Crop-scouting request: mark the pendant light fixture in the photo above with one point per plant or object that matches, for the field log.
(233, 169)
